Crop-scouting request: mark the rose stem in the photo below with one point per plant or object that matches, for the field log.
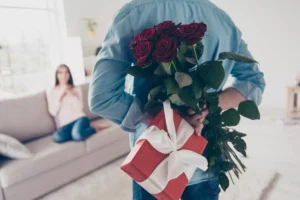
(174, 66)
(195, 55)
(231, 177)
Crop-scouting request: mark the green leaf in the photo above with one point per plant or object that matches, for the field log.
(215, 121)
(167, 68)
(212, 73)
(249, 110)
(176, 100)
(197, 91)
(224, 181)
(224, 138)
(212, 99)
(140, 72)
(182, 63)
(215, 110)
(191, 60)
(226, 166)
(181, 58)
(186, 95)
(238, 134)
(185, 54)
(190, 53)
(197, 87)
(183, 79)
(155, 91)
(201, 104)
(213, 94)
(236, 57)
(199, 49)
(171, 86)
(183, 48)
(231, 117)
(160, 71)
(240, 145)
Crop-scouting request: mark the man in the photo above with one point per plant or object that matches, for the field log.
(108, 98)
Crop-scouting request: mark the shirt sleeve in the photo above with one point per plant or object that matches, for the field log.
(53, 102)
(249, 80)
(107, 97)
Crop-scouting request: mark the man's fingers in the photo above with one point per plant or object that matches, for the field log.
(191, 111)
(196, 117)
(204, 113)
(198, 129)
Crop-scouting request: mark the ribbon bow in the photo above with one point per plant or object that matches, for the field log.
(178, 161)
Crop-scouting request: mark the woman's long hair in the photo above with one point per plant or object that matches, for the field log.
(70, 81)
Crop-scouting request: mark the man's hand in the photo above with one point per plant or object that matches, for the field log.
(191, 117)
(196, 120)
(230, 98)
(151, 111)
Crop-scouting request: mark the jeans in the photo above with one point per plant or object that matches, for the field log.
(77, 130)
(206, 190)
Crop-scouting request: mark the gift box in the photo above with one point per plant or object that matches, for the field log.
(166, 156)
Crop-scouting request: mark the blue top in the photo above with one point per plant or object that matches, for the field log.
(107, 97)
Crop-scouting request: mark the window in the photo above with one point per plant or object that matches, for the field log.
(29, 45)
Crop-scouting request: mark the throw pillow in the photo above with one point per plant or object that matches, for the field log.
(12, 148)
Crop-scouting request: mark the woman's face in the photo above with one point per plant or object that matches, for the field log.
(63, 75)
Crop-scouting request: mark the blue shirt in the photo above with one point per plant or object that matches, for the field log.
(107, 97)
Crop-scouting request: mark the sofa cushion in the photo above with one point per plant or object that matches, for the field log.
(48, 155)
(105, 137)
(12, 148)
(26, 118)
(85, 91)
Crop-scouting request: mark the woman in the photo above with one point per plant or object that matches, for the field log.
(65, 104)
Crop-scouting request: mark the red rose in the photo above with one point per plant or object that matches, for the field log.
(166, 49)
(192, 33)
(166, 25)
(168, 28)
(148, 34)
(135, 41)
(142, 53)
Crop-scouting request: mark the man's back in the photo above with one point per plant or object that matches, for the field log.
(107, 95)
(115, 56)
(222, 35)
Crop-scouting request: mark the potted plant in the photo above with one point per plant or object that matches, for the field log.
(91, 25)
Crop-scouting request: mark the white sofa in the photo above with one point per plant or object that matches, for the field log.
(53, 165)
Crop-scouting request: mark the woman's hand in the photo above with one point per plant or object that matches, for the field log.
(196, 120)
(65, 90)
(61, 97)
(70, 90)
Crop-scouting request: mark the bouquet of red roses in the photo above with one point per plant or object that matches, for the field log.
(168, 57)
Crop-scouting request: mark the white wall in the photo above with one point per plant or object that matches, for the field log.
(99, 10)
(73, 57)
(270, 27)
(272, 30)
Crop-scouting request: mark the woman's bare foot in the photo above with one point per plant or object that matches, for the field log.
(100, 127)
